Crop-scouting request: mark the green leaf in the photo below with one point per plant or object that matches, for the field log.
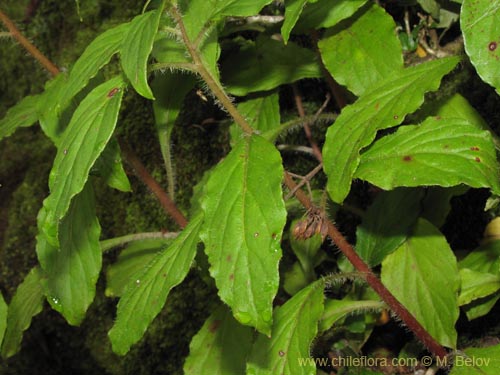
(244, 219)
(49, 107)
(3, 317)
(423, 275)
(295, 326)
(295, 279)
(109, 166)
(335, 310)
(431, 7)
(485, 258)
(263, 114)
(383, 106)
(477, 285)
(22, 115)
(445, 152)
(131, 260)
(364, 52)
(480, 24)
(293, 8)
(26, 303)
(436, 204)
(146, 294)
(387, 223)
(83, 141)
(477, 361)
(220, 346)
(325, 13)
(265, 64)
(96, 55)
(137, 45)
(71, 270)
(197, 14)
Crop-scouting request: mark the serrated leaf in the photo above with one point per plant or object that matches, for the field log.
(480, 24)
(383, 106)
(71, 269)
(131, 260)
(477, 361)
(146, 294)
(423, 275)
(387, 223)
(265, 64)
(336, 310)
(476, 285)
(293, 8)
(325, 13)
(22, 115)
(364, 52)
(83, 141)
(263, 114)
(295, 326)
(445, 152)
(137, 45)
(244, 219)
(220, 346)
(3, 317)
(26, 303)
(109, 166)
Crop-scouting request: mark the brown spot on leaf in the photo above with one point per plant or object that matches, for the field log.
(281, 353)
(492, 46)
(474, 148)
(395, 117)
(477, 159)
(377, 106)
(273, 236)
(438, 118)
(231, 277)
(214, 326)
(229, 258)
(407, 158)
(113, 92)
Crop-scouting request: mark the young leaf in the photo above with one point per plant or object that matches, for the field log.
(220, 347)
(109, 166)
(480, 23)
(295, 326)
(477, 361)
(336, 310)
(383, 106)
(72, 268)
(131, 260)
(445, 152)
(146, 294)
(423, 275)
(263, 113)
(293, 8)
(3, 317)
(23, 114)
(83, 141)
(136, 47)
(244, 219)
(364, 53)
(26, 303)
(265, 64)
(387, 223)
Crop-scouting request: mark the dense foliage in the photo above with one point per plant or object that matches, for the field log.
(379, 144)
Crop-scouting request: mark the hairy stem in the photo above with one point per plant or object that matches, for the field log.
(141, 172)
(396, 306)
(123, 240)
(33, 51)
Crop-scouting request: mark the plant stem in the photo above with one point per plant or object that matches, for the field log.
(396, 306)
(207, 77)
(119, 241)
(141, 172)
(35, 52)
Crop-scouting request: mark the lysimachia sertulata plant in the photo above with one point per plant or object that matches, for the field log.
(238, 211)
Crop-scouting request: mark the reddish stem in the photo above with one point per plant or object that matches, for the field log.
(35, 52)
(141, 172)
(396, 306)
